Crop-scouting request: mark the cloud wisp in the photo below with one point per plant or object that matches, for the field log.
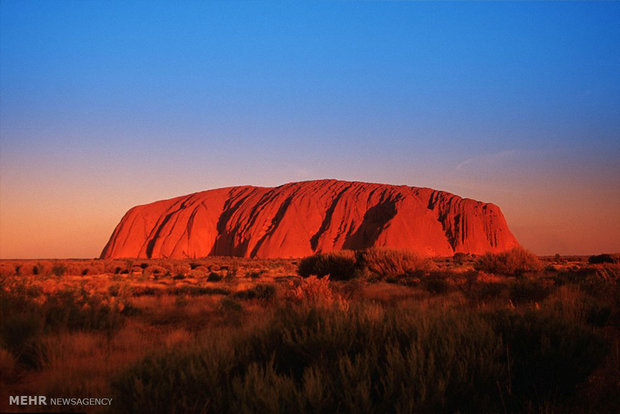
(487, 159)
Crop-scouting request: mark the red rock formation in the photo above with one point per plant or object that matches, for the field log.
(299, 219)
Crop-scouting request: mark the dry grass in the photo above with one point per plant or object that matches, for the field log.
(387, 262)
(158, 312)
(514, 262)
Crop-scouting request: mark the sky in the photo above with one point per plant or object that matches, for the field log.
(107, 105)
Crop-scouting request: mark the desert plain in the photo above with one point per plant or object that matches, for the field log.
(373, 330)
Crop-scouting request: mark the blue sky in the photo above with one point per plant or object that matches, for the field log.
(104, 105)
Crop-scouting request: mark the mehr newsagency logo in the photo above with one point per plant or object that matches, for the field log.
(42, 400)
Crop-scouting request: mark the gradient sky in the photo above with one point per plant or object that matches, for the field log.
(107, 105)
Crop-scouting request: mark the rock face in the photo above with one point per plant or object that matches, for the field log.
(299, 219)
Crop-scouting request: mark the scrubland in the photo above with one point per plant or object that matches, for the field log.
(367, 331)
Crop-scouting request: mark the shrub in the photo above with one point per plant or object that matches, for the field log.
(340, 265)
(351, 290)
(482, 292)
(387, 262)
(597, 314)
(602, 258)
(514, 262)
(21, 335)
(232, 271)
(548, 356)
(214, 277)
(593, 280)
(180, 301)
(325, 360)
(367, 264)
(608, 272)
(370, 359)
(576, 276)
(230, 305)
(459, 258)
(526, 291)
(77, 310)
(436, 284)
(8, 366)
(263, 291)
(199, 291)
(158, 270)
(231, 311)
(146, 291)
(571, 304)
(73, 309)
(59, 270)
(315, 292)
(254, 275)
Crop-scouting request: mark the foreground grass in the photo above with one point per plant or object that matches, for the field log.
(420, 337)
(371, 359)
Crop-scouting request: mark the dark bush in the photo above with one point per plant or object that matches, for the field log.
(482, 292)
(436, 284)
(527, 291)
(59, 270)
(548, 356)
(254, 275)
(231, 311)
(340, 265)
(587, 278)
(370, 264)
(262, 291)
(459, 258)
(602, 258)
(214, 277)
(576, 276)
(597, 314)
(230, 305)
(21, 335)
